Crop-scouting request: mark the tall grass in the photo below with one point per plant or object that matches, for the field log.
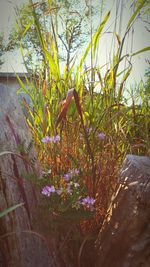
(96, 129)
(101, 112)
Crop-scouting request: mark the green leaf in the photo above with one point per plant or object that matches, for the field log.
(38, 29)
(122, 82)
(98, 32)
(27, 28)
(6, 211)
(94, 40)
(23, 87)
(141, 51)
(120, 73)
(135, 13)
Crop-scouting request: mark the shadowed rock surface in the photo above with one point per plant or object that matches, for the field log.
(124, 240)
(20, 245)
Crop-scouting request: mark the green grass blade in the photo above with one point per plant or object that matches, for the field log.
(98, 32)
(6, 211)
(38, 29)
(94, 40)
(141, 51)
(135, 13)
(23, 87)
(122, 83)
(27, 28)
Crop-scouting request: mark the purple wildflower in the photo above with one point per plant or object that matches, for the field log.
(76, 172)
(101, 136)
(88, 202)
(71, 173)
(47, 190)
(67, 176)
(56, 138)
(53, 139)
(46, 139)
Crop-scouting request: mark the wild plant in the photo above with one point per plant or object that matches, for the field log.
(81, 135)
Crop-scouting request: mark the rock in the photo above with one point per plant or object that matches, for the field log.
(124, 239)
(20, 244)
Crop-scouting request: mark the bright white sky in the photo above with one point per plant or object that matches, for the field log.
(140, 38)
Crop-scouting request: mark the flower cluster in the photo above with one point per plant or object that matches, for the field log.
(101, 136)
(70, 174)
(47, 190)
(67, 187)
(48, 139)
(70, 187)
(87, 202)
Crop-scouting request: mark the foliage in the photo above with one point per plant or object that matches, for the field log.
(146, 8)
(81, 121)
(6, 211)
(64, 21)
(25, 30)
(67, 193)
(95, 128)
(139, 111)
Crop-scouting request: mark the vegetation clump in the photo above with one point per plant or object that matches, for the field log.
(81, 133)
